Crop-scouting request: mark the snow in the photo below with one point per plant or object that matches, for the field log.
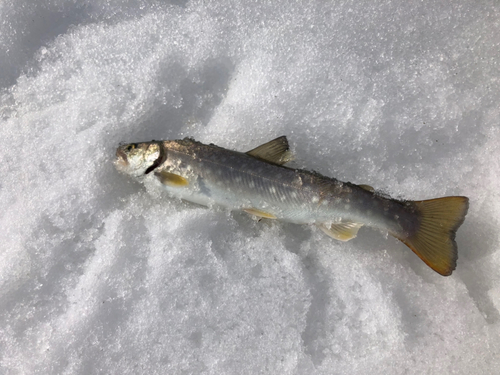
(98, 275)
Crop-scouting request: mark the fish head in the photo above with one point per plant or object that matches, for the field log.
(137, 159)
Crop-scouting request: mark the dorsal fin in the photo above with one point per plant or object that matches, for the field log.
(343, 231)
(276, 151)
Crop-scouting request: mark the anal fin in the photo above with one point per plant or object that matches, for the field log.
(343, 231)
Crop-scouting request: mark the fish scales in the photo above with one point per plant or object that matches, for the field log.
(239, 180)
(259, 183)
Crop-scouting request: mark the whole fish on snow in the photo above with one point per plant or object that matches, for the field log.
(257, 182)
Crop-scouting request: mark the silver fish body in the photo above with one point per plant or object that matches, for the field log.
(239, 181)
(258, 183)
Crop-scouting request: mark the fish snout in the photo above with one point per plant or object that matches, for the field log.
(121, 157)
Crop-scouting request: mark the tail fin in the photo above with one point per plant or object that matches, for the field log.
(434, 241)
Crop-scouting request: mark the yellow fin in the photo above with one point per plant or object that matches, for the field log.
(343, 231)
(434, 240)
(259, 213)
(367, 187)
(276, 151)
(171, 179)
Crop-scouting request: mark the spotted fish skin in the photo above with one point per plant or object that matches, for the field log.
(235, 180)
(258, 183)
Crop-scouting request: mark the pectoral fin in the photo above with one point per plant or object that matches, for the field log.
(344, 231)
(171, 179)
(259, 213)
(276, 151)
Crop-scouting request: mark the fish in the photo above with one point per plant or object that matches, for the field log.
(259, 183)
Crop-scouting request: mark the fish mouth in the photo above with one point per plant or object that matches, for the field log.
(121, 158)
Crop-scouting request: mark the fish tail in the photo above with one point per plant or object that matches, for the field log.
(434, 240)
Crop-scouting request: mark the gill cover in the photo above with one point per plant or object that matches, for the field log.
(137, 159)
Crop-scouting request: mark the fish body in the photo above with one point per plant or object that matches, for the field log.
(258, 183)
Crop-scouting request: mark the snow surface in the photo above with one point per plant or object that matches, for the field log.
(99, 276)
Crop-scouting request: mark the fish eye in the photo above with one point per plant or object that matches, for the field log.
(131, 147)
